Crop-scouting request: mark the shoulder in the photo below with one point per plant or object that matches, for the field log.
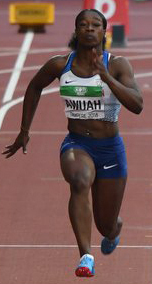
(118, 60)
(59, 59)
(119, 65)
(50, 71)
(57, 63)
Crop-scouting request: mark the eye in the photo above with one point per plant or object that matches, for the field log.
(96, 24)
(82, 24)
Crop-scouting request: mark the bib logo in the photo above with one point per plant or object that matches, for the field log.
(111, 7)
(80, 91)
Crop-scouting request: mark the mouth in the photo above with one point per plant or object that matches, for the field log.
(90, 37)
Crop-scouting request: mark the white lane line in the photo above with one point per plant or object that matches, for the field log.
(131, 50)
(31, 68)
(37, 67)
(139, 57)
(28, 68)
(129, 179)
(37, 51)
(143, 75)
(35, 132)
(139, 42)
(64, 49)
(70, 246)
(4, 109)
(133, 133)
(136, 132)
(18, 66)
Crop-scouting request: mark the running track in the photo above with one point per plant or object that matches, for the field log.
(37, 245)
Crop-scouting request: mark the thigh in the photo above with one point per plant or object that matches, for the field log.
(107, 195)
(76, 163)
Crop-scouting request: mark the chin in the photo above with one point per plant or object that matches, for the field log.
(91, 45)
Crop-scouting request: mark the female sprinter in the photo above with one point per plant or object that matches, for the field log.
(93, 85)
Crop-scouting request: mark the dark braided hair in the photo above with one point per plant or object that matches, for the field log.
(73, 41)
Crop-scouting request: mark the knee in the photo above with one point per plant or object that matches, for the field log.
(80, 184)
(111, 230)
(105, 230)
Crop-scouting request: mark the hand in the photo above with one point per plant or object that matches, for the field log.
(98, 65)
(21, 141)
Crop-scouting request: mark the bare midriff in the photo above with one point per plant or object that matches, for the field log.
(93, 128)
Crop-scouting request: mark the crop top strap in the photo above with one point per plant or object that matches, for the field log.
(69, 62)
(106, 56)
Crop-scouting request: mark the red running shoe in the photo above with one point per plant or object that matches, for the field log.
(86, 266)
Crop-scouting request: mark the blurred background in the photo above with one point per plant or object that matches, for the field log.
(140, 15)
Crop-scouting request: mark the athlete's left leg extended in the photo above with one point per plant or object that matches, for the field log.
(107, 195)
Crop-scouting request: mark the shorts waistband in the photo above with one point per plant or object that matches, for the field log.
(96, 141)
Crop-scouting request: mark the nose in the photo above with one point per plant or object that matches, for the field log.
(90, 27)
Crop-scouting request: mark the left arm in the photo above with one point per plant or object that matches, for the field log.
(122, 84)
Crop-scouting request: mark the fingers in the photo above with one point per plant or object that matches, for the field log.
(11, 150)
(8, 149)
(96, 61)
(9, 153)
(8, 146)
(20, 142)
(5, 152)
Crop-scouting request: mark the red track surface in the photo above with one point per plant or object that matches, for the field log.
(36, 239)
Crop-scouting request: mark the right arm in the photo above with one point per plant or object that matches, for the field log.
(42, 79)
(45, 76)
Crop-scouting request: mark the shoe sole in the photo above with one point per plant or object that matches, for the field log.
(84, 272)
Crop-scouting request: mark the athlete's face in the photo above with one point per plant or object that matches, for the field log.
(90, 29)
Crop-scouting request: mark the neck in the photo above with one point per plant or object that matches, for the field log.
(85, 54)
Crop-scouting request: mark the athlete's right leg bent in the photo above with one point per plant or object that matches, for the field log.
(79, 171)
(107, 197)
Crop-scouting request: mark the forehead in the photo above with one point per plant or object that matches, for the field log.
(90, 15)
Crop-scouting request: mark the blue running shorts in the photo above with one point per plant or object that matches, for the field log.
(108, 154)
